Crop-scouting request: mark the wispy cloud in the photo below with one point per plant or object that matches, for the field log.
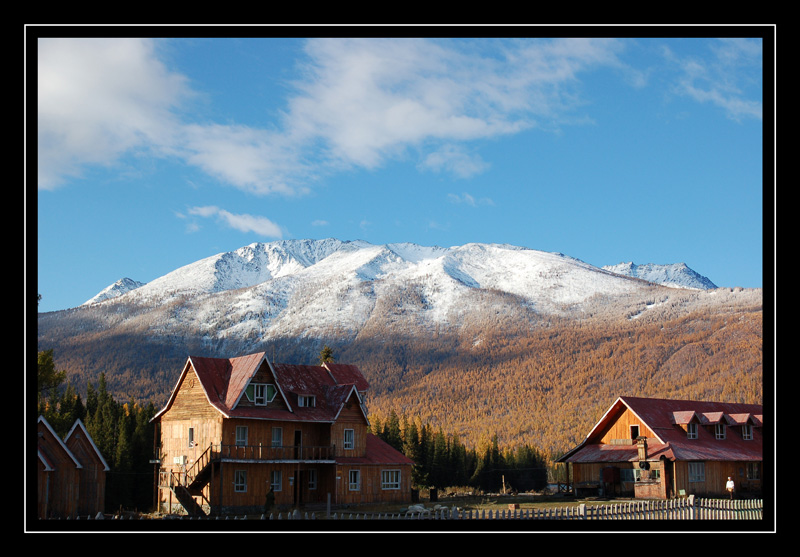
(468, 199)
(455, 160)
(242, 222)
(729, 78)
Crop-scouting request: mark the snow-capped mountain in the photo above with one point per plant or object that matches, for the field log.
(302, 287)
(676, 275)
(508, 268)
(122, 286)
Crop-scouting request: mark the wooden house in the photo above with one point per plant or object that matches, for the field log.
(71, 473)
(238, 434)
(657, 448)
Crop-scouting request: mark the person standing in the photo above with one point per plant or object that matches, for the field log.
(729, 486)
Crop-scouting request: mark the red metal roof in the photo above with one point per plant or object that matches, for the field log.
(224, 381)
(664, 417)
(378, 452)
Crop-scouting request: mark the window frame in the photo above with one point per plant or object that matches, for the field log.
(260, 394)
(241, 441)
(306, 401)
(349, 441)
(240, 481)
(692, 430)
(191, 437)
(276, 480)
(720, 432)
(747, 432)
(354, 479)
(391, 479)
(277, 437)
(696, 471)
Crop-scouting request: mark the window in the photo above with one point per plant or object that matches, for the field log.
(697, 471)
(634, 431)
(191, 437)
(277, 436)
(747, 432)
(307, 401)
(275, 480)
(655, 474)
(691, 431)
(260, 393)
(719, 431)
(240, 481)
(241, 435)
(354, 480)
(390, 479)
(753, 471)
(349, 438)
(312, 479)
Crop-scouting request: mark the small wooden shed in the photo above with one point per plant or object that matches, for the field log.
(71, 479)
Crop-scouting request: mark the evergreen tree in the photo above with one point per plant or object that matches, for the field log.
(440, 465)
(48, 380)
(326, 355)
(391, 431)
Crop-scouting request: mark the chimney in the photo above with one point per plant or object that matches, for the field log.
(641, 446)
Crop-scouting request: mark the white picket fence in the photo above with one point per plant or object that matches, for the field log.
(689, 508)
(676, 509)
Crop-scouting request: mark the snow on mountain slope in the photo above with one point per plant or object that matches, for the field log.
(122, 286)
(300, 287)
(676, 275)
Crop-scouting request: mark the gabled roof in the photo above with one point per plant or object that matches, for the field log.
(79, 427)
(53, 442)
(224, 381)
(664, 417)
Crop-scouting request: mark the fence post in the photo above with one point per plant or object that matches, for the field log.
(582, 511)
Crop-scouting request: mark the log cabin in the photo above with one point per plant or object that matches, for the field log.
(71, 473)
(245, 435)
(658, 449)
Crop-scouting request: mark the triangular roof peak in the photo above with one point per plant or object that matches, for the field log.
(79, 427)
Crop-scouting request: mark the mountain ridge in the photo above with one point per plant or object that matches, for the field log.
(260, 262)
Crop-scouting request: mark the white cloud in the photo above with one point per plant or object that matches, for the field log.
(98, 99)
(242, 222)
(249, 159)
(358, 103)
(369, 100)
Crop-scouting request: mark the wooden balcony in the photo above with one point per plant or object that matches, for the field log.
(268, 453)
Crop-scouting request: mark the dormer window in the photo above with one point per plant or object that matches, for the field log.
(719, 431)
(747, 432)
(691, 431)
(307, 401)
(260, 393)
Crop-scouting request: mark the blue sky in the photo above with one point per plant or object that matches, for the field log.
(155, 153)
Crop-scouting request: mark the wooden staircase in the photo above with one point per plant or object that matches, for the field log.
(196, 478)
